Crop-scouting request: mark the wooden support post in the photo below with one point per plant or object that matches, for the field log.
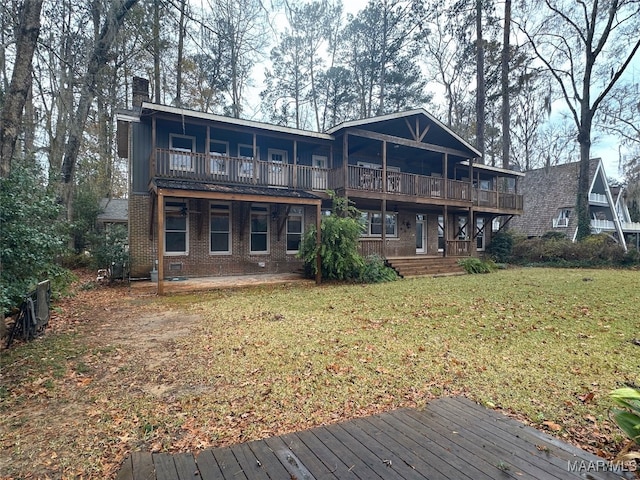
(318, 243)
(160, 210)
(345, 160)
(207, 150)
(445, 176)
(384, 166)
(384, 227)
(445, 230)
(295, 164)
(255, 159)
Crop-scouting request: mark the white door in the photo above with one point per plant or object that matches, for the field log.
(421, 233)
(319, 178)
(278, 170)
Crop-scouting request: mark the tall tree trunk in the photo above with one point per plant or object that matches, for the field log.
(16, 97)
(480, 88)
(181, 33)
(156, 50)
(98, 58)
(506, 108)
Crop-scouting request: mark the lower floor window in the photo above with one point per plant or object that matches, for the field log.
(372, 222)
(175, 228)
(220, 229)
(480, 234)
(295, 222)
(259, 229)
(441, 233)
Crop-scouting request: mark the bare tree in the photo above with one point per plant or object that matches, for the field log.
(506, 110)
(97, 59)
(14, 101)
(586, 47)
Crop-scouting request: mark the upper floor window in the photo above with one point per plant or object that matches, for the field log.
(562, 220)
(218, 153)
(181, 146)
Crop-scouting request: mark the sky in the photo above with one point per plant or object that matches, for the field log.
(603, 146)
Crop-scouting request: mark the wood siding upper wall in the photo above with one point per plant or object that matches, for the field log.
(140, 155)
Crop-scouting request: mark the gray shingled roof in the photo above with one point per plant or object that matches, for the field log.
(240, 189)
(545, 191)
(114, 210)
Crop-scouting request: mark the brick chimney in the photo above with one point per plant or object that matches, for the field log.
(140, 91)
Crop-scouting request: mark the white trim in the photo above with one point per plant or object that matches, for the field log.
(367, 233)
(422, 221)
(489, 168)
(181, 165)
(481, 234)
(230, 234)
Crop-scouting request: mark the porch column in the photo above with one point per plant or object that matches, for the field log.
(255, 159)
(445, 230)
(445, 177)
(295, 164)
(345, 160)
(384, 166)
(384, 227)
(318, 243)
(160, 211)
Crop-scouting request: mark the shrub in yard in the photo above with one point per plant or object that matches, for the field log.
(31, 236)
(501, 247)
(476, 265)
(338, 250)
(376, 271)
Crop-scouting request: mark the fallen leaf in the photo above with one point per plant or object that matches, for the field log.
(554, 427)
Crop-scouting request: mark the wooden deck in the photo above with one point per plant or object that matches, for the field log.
(453, 438)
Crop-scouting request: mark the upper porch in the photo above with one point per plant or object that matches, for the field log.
(362, 180)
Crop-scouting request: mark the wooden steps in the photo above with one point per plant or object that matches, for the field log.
(420, 266)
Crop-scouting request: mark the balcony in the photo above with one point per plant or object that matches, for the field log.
(630, 227)
(232, 170)
(598, 198)
(602, 225)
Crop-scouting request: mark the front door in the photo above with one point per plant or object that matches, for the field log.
(421, 233)
(278, 169)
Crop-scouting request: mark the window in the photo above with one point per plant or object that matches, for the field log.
(480, 234)
(259, 229)
(441, 233)
(295, 226)
(175, 228)
(372, 222)
(181, 147)
(562, 220)
(218, 153)
(462, 228)
(278, 175)
(245, 166)
(220, 229)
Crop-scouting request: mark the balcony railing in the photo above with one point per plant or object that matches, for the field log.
(603, 225)
(225, 169)
(598, 198)
(630, 227)
(458, 248)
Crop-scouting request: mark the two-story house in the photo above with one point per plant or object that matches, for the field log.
(212, 195)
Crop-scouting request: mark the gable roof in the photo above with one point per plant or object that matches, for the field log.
(394, 123)
(546, 191)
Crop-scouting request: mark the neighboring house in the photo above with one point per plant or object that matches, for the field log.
(233, 196)
(113, 211)
(550, 203)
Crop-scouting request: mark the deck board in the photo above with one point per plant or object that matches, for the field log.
(452, 438)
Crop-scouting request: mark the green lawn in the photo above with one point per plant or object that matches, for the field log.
(546, 345)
